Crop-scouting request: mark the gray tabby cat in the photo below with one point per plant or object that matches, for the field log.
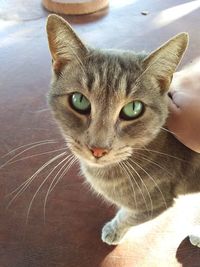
(111, 107)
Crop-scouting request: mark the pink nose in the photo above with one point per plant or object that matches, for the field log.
(98, 152)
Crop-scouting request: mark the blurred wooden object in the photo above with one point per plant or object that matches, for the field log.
(76, 7)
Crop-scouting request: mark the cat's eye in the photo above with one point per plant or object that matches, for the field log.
(132, 110)
(79, 103)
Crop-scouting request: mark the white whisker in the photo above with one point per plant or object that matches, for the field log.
(152, 179)
(30, 144)
(43, 182)
(63, 173)
(123, 166)
(25, 184)
(25, 150)
(68, 159)
(39, 154)
(166, 130)
(159, 152)
(149, 195)
(152, 162)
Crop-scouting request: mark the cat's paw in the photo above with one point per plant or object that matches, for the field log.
(111, 234)
(195, 239)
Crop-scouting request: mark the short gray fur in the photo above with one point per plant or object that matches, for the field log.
(146, 167)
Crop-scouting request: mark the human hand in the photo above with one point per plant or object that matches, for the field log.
(184, 107)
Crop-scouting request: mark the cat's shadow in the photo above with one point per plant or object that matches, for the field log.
(187, 254)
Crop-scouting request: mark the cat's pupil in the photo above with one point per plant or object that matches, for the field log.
(79, 103)
(81, 98)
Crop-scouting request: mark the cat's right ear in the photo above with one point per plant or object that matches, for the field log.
(64, 44)
(162, 63)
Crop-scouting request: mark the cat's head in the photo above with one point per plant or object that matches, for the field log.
(108, 102)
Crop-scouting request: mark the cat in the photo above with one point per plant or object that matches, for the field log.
(111, 107)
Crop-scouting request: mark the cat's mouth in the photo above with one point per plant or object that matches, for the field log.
(98, 157)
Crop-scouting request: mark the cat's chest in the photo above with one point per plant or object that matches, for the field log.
(115, 187)
(103, 183)
(127, 189)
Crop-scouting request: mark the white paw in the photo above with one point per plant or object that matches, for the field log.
(195, 240)
(111, 235)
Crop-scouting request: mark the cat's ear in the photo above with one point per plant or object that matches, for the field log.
(163, 62)
(64, 44)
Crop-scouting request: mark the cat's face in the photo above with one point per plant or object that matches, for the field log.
(108, 102)
(98, 105)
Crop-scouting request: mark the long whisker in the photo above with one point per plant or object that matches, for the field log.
(25, 184)
(166, 130)
(30, 144)
(152, 162)
(138, 186)
(43, 182)
(57, 181)
(63, 173)
(149, 195)
(68, 159)
(40, 144)
(123, 166)
(160, 153)
(152, 179)
(36, 155)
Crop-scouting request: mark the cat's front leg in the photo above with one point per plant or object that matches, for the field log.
(114, 231)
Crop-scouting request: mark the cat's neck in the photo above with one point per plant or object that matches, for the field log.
(166, 142)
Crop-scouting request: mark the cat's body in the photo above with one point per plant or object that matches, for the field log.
(112, 107)
(163, 177)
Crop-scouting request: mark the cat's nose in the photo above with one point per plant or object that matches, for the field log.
(98, 152)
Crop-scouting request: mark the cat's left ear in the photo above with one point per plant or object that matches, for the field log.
(64, 44)
(163, 62)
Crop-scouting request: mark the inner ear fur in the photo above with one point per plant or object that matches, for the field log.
(64, 44)
(163, 62)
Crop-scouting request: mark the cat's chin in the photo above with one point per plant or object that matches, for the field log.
(94, 165)
(97, 163)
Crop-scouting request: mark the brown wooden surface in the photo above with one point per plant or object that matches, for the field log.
(75, 7)
(70, 236)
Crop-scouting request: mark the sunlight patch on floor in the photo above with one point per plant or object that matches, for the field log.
(4, 24)
(157, 241)
(14, 37)
(121, 4)
(171, 14)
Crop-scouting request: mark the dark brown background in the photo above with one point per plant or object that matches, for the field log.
(74, 216)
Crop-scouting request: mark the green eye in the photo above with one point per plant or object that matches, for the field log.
(80, 103)
(132, 110)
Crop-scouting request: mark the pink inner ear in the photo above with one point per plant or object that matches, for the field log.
(164, 84)
(59, 64)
